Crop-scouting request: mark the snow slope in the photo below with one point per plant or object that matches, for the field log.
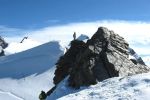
(29, 71)
(23, 75)
(135, 87)
(15, 47)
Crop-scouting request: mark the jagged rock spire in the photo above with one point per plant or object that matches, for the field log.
(105, 55)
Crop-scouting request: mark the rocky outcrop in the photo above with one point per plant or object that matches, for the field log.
(67, 61)
(3, 45)
(103, 56)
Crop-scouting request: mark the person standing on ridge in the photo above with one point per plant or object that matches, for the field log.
(74, 35)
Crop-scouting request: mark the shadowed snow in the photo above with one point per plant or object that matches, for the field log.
(33, 61)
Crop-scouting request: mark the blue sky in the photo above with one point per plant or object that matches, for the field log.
(46, 20)
(34, 14)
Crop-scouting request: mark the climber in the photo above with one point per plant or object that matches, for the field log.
(74, 35)
(23, 39)
(43, 95)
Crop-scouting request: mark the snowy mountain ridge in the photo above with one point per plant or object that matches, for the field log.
(27, 70)
(23, 75)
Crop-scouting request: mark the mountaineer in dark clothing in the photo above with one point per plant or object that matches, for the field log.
(42, 96)
(74, 35)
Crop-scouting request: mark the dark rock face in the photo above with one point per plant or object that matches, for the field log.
(67, 61)
(3, 45)
(104, 56)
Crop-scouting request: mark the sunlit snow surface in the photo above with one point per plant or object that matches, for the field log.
(136, 87)
(15, 47)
